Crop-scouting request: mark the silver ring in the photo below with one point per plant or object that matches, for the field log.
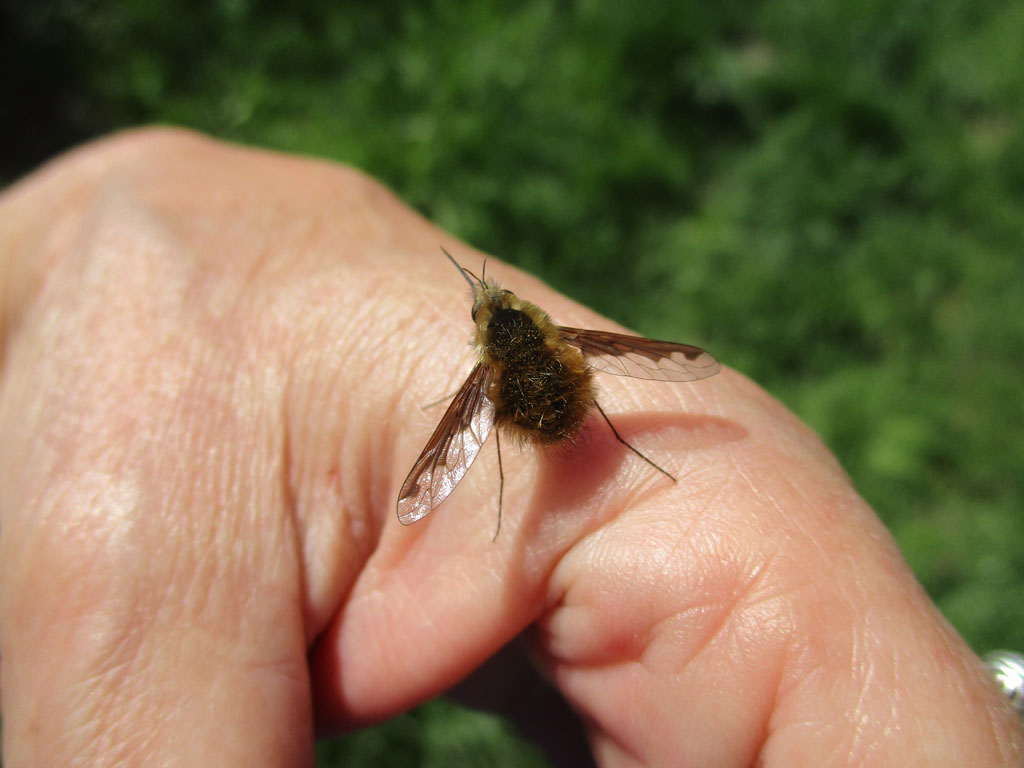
(1007, 668)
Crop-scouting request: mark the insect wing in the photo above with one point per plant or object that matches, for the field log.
(451, 449)
(641, 358)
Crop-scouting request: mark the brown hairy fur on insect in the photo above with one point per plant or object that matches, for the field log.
(533, 380)
(542, 388)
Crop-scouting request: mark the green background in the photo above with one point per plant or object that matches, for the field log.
(829, 196)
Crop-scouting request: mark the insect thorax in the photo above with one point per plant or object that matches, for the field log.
(542, 388)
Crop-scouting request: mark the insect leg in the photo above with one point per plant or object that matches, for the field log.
(634, 450)
(501, 482)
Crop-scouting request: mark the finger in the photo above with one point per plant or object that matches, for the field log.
(764, 616)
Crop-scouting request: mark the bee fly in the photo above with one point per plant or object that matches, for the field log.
(534, 379)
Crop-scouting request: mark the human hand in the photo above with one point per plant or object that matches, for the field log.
(215, 362)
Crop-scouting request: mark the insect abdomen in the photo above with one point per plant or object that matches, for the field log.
(542, 390)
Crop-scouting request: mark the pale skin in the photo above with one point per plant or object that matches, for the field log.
(215, 362)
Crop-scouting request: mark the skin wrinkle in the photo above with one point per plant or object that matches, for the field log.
(558, 602)
(719, 605)
(373, 489)
(116, 661)
(804, 678)
(709, 634)
(743, 472)
(728, 615)
(289, 495)
(798, 680)
(96, 712)
(893, 722)
(771, 707)
(225, 477)
(736, 614)
(860, 739)
(104, 743)
(745, 609)
(124, 698)
(305, 393)
(866, 742)
(226, 482)
(863, 664)
(421, 358)
(358, 466)
(315, 387)
(867, 638)
(118, 653)
(379, 491)
(800, 522)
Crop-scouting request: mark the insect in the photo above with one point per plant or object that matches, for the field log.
(534, 379)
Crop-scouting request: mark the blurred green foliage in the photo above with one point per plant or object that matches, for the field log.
(438, 735)
(830, 196)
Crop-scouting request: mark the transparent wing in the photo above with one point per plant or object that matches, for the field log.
(639, 357)
(450, 450)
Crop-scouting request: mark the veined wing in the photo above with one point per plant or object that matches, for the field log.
(450, 450)
(639, 357)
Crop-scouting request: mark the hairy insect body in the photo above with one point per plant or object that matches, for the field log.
(542, 388)
(533, 379)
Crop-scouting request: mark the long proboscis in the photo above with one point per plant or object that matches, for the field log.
(458, 266)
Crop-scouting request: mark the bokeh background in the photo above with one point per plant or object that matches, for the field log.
(829, 195)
